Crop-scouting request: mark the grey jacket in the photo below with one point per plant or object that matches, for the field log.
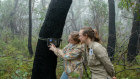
(99, 62)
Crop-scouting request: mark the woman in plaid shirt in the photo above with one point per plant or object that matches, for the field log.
(72, 55)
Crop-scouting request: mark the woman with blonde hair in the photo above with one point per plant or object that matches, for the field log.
(72, 55)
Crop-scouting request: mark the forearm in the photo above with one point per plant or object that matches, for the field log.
(102, 55)
(58, 52)
(108, 66)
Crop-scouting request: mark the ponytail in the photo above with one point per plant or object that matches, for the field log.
(96, 36)
(91, 33)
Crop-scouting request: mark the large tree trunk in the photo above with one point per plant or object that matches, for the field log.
(45, 61)
(134, 39)
(30, 29)
(112, 30)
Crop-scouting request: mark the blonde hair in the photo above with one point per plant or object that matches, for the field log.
(75, 36)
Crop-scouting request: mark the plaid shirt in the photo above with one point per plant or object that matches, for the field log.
(72, 55)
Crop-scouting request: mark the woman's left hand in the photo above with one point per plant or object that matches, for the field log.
(52, 47)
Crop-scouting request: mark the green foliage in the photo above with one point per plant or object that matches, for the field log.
(74, 75)
(127, 4)
(131, 5)
(60, 67)
(14, 56)
(124, 69)
(16, 64)
(130, 74)
(85, 74)
(13, 68)
(99, 10)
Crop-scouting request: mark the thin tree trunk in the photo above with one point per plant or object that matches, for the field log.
(45, 61)
(30, 29)
(134, 40)
(33, 4)
(74, 28)
(112, 30)
(43, 3)
(12, 21)
(139, 42)
(0, 3)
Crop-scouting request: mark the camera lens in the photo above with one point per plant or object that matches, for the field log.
(50, 40)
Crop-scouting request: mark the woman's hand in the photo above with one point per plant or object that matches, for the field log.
(52, 47)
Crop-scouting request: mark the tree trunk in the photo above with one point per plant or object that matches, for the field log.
(33, 2)
(12, 21)
(139, 42)
(138, 45)
(30, 29)
(134, 39)
(0, 3)
(45, 61)
(112, 30)
(73, 20)
(43, 3)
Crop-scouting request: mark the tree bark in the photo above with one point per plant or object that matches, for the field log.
(112, 30)
(30, 29)
(45, 61)
(134, 39)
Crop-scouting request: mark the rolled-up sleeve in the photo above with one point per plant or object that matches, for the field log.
(102, 55)
(70, 55)
(58, 52)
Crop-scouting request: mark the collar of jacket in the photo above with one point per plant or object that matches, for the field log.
(91, 44)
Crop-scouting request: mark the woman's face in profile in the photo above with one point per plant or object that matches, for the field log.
(82, 37)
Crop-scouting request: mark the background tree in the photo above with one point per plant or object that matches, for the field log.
(30, 29)
(112, 30)
(73, 21)
(45, 61)
(99, 12)
(15, 61)
(0, 3)
(134, 39)
(12, 18)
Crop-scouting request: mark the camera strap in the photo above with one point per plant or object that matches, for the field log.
(45, 39)
(51, 40)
